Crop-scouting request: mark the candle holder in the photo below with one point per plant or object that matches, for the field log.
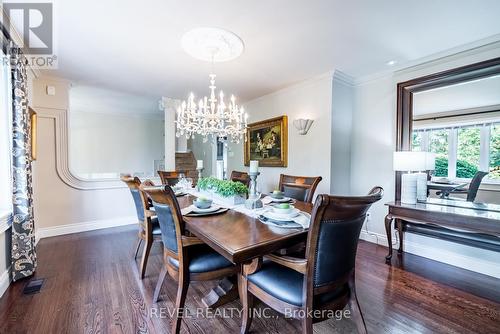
(253, 201)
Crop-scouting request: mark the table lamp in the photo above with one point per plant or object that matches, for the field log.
(408, 161)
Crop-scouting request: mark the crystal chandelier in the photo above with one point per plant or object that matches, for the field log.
(211, 115)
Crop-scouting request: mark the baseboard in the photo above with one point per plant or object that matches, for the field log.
(5, 279)
(46, 232)
(440, 254)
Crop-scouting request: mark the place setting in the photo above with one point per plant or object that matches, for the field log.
(202, 206)
(284, 215)
(277, 196)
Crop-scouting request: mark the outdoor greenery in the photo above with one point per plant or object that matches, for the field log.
(465, 169)
(495, 152)
(468, 150)
(225, 188)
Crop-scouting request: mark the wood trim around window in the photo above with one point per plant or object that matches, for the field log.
(405, 91)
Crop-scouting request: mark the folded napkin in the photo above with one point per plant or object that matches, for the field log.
(267, 200)
(303, 219)
(187, 210)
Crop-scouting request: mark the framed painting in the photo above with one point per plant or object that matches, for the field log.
(267, 142)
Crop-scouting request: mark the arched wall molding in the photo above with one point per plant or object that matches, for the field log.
(60, 118)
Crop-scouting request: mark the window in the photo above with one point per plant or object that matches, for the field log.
(5, 140)
(462, 150)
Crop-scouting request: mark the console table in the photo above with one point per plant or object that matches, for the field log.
(464, 216)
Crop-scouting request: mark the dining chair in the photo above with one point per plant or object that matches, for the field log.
(471, 190)
(301, 188)
(149, 229)
(324, 279)
(169, 178)
(185, 258)
(241, 177)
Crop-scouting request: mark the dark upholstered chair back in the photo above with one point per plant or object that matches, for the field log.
(474, 185)
(140, 201)
(170, 178)
(169, 216)
(333, 236)
(240, 177)
(301, 188)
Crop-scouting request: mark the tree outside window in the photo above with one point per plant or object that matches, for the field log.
(468, 152)
(438, 143)
(495, 152)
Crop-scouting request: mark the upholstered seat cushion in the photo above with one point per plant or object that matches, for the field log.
(156, 226)
(203, 259)
(286, 284)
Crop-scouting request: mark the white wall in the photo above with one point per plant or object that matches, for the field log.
(115, 143)
(204, 151)
(307, 155)
(341, 135)
(373, 142)
(113, 132)
(59, 207)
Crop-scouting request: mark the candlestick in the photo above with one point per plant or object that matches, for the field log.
(253, 201)
(199, 175)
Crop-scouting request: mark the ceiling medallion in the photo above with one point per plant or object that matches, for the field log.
(211, 115)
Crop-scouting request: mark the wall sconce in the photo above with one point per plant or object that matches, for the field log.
(303, 125)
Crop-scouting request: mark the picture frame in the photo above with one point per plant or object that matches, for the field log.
(34, 133)
(267, 142)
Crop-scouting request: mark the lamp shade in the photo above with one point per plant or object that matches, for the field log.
(407, 161)
(430, 161)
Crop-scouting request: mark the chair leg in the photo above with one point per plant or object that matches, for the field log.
(139, 241)
(356, 310)
(159, 284)
(246, 299)
(179, 301)
(307, 325)
(145, 256)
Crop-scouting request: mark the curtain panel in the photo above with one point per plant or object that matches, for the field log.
(23, 233)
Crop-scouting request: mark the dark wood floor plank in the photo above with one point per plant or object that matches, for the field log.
(92, 286)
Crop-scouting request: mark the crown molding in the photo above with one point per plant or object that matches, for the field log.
(344, 78)
(469, 49)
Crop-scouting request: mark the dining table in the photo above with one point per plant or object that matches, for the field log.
(241, 238)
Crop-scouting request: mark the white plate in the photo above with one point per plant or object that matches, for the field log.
(280, 200)
(282, 217)
(213, 208)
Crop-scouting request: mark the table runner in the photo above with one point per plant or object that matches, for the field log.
(254, 213)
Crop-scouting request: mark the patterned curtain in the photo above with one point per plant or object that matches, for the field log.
(23, 233)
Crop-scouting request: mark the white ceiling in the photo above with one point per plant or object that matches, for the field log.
(135, 45)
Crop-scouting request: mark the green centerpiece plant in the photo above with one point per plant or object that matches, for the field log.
(224, 188)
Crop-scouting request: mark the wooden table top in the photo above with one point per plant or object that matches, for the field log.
(241, 238)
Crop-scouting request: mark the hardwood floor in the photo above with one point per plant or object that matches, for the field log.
(92, 286)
